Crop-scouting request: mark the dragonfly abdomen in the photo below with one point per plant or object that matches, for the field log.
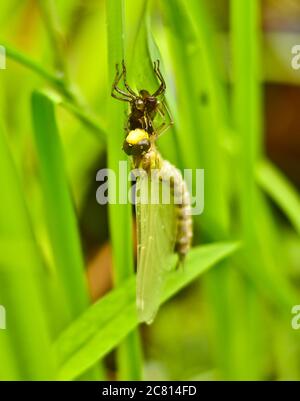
(184, 221)
(182, 201)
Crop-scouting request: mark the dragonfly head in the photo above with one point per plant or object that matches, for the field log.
(137, 142)
(149, 101)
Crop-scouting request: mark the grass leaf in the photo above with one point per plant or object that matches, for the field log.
(105, 324)
(120, 214)
(278, 187)
(25, 344)
(59, 209)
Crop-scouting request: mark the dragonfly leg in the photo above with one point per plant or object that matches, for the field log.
(125, 97)
(131, 91)
(157, 72)
(165, 113)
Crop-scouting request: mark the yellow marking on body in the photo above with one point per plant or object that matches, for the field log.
(135, 136)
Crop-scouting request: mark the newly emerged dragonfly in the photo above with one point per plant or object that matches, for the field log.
(164, 223)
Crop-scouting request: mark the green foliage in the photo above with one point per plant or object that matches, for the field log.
(109, 320)
(238, 314)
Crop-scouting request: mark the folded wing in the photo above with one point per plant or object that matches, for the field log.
(156, 229)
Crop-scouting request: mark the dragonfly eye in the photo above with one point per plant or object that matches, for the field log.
(144, 145)
(137, 149)
(137, 142)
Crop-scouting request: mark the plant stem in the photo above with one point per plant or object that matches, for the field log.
(129, 354)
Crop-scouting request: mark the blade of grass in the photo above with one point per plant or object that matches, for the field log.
(58, 204)
(34, 66)
(216, 218)
(200, 126)
(20, 271)
(70, 102)
(180, 38)
(116, 313)
(59, 211)
(129, 353)
(85, 116)
(259, 258)
(142, 53)
(278, 187)
(248, 122)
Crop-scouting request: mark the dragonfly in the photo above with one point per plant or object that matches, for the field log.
(163, 208)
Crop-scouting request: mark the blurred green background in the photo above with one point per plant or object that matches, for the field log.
(67, 264)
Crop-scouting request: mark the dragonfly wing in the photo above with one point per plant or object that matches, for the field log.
(156, 227)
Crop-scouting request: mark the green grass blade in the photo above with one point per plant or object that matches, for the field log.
(277, 186)
(26, 335)
(70, 103)
(59, 209)
(129, 354)
(86, 117)
(260, 261)
(33, 65)
(247, 117)
(85, 340)
(200, 127)
(246, 41)
(247, 102)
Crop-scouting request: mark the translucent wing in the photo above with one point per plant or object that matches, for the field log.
(156, 228)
